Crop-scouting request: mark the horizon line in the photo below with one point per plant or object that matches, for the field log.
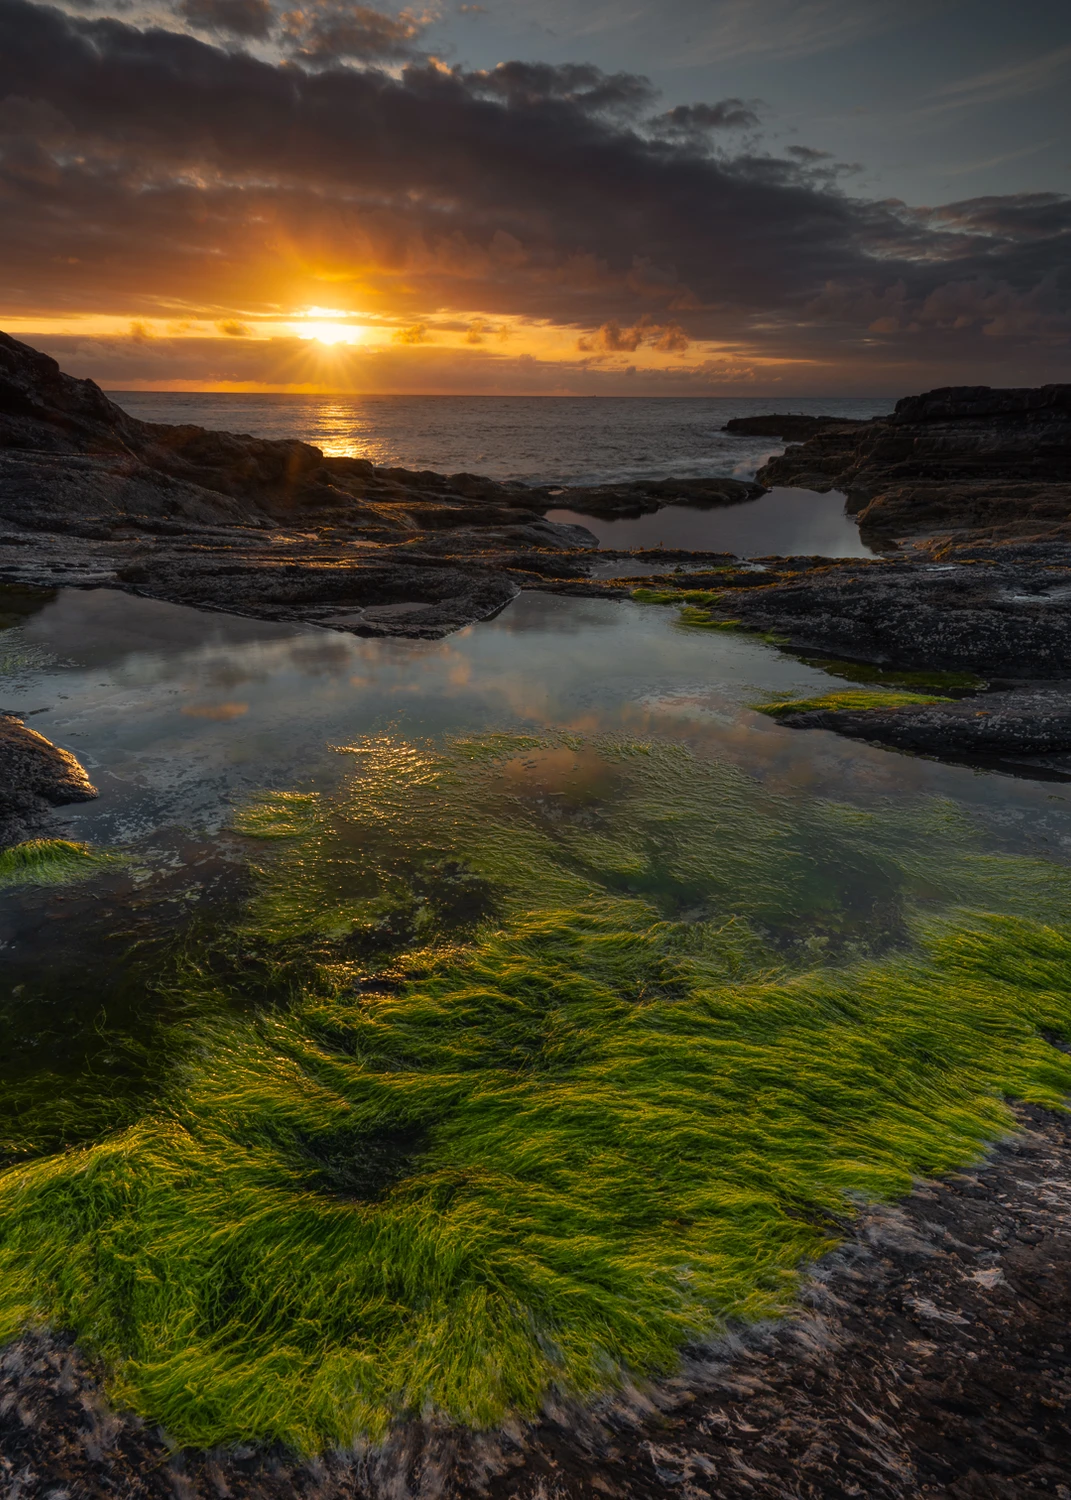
(500, 395)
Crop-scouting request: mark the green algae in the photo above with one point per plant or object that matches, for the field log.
(573, 1052)
(701, 597)
(695, 612)
(847, 702)
(937, 682)
(50, 862)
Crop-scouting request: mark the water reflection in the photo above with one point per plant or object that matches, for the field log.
(785, 522)
(179, 713)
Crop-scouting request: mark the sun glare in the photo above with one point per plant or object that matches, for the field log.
(320, 324)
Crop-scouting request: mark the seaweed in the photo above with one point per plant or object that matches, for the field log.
(535, 1140)
(848, 702)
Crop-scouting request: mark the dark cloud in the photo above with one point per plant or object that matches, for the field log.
(809, 154)
(579, 86)
(244, 18)
(146, 163)
(727, 114)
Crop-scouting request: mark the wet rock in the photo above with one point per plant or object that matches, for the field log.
(963, 457)
(982, 727)
(1006, 615)
(273, 529)
(642, 496)
(426, 598)
(35, 776)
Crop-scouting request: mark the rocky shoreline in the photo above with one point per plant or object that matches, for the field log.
(971, 487)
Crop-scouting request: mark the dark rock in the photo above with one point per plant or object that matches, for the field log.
(960, 457)
(90, 494)
(641, 496)
(790, 427)
(982, 727)
(35, 776)
(1006, 618)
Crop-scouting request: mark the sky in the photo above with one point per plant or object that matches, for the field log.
(649, 197)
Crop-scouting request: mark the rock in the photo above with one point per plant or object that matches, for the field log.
(790, 427)
(35, 776)
(1006, 614)
(983, 727)
(274, 529)
(642, 496)
(960, 457)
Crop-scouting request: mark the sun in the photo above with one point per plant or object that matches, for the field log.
(319, 324)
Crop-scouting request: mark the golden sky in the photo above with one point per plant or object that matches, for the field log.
(222, 195)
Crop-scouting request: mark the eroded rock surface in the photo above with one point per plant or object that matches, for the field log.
(1003, 613)
(791, 427)
(91, 496)
(964, 457)
(1028, 726)
(35, 776)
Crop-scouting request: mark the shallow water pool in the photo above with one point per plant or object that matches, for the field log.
(464, 1017)
(783, 522)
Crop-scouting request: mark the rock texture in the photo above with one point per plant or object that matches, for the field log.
(930, 1357)
(640, 497)
(791, 427)
(961, 457)
(997, 612)
(1030, 725)
(91, 496)
(35, 776)
(274, 529)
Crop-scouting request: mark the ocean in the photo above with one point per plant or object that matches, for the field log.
(563, 440)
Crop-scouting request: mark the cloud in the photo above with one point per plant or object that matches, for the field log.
(578, 86)
(417, 333)
(244, 18)
(694, 119)
(611, 338)
(149, 173)
(233, 328)
(794, 28)
(327, 30)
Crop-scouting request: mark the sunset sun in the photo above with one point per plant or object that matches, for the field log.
(324, 326)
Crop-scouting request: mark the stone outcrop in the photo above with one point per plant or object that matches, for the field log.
(1005, 613)
(89, 495)
(790, 427)
(1032, 724)
(274, 529)
(35, 776)
(642, 496)
(962, 458)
